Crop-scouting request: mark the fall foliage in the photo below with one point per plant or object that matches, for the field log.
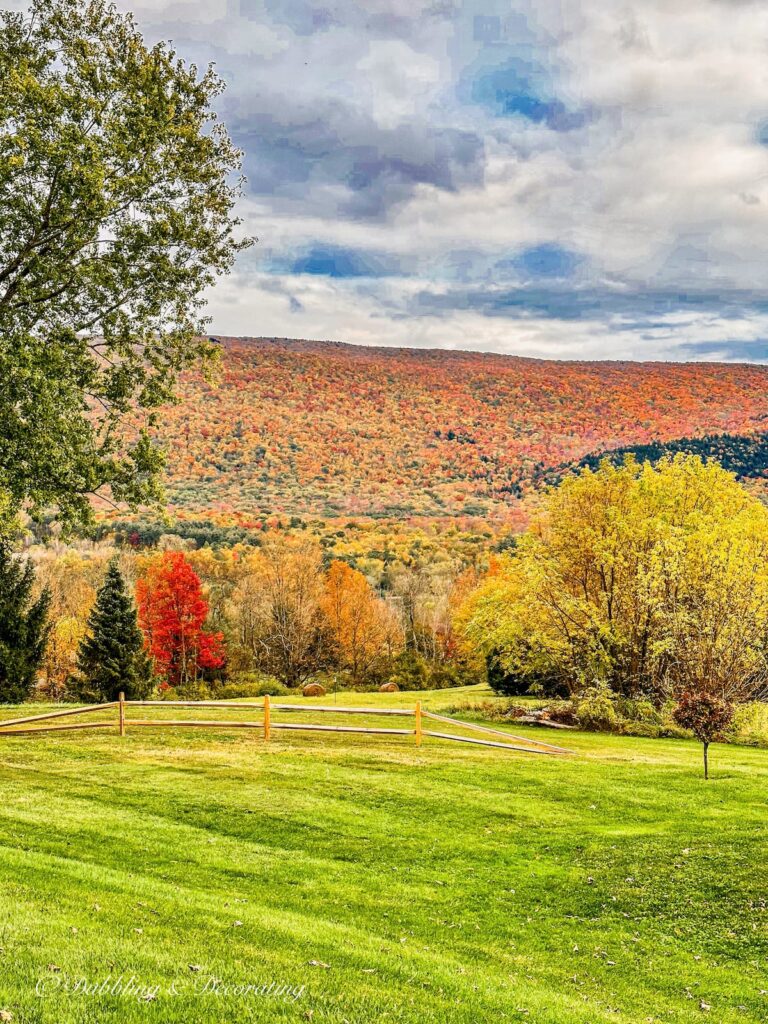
(172, 612)
(365, 628)
(321, 429)
(650, 579)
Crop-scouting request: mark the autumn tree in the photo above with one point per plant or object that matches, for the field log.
(364, 628)
(111, 657)
(116, 213)
(278, 610)
(72, 581)
(60, 658)
(23, 627)
(706, 715)
(172, 614)
(648, 578)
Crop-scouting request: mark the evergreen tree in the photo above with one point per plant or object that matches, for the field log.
(111, 656)
(23, 628)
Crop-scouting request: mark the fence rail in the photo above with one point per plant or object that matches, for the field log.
(26, 726)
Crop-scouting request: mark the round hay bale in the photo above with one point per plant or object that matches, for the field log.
(314, 690)
(389, 688)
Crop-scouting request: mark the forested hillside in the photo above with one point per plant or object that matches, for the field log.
(319, 428)
(744, 455)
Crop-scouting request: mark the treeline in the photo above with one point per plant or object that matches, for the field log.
(744, 455)
(210, 618)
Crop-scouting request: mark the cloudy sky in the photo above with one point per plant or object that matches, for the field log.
(566, 178)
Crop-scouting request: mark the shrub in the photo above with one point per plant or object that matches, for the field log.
(510, 684)
(673, 732)
(488, 710)
(649, 730)
(196, 689)
(750, 724)
(236, 690)
(639, 709)
(595, 710)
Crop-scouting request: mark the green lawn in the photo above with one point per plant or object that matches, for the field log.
(447, 884)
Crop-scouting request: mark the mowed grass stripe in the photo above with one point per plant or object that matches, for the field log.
(474, 885)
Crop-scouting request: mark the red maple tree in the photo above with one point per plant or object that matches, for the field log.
(172, 611)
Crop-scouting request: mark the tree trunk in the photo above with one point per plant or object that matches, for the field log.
(706, 761)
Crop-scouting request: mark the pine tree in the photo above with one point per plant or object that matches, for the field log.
(111, 656)
(23, 628)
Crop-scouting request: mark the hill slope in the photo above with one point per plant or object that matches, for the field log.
(319, 428)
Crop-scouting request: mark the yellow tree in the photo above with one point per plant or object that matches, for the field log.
(61, 653)
(650, 578)
(277, 611)
(363, 626)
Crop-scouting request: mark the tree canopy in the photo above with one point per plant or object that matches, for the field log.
(172, 612)
(117, 187)
(652, 579)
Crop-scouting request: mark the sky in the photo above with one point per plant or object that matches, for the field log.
(559, 178)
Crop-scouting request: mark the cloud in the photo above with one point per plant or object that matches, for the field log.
(587, 177)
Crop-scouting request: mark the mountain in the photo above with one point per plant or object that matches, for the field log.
(325, 429)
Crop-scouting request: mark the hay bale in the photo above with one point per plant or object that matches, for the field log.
(389, 688)
(314, 690)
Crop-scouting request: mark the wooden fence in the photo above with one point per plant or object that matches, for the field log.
(267, 724)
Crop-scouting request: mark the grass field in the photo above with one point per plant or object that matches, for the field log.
(379, 882)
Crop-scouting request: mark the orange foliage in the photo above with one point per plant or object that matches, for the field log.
(363, 626)
(315, 428)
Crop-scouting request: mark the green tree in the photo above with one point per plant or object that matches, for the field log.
(117, 187)
(23, 627)
(111, 656)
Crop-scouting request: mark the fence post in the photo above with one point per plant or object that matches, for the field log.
(266, 718)
(418, 723)
(121, 712)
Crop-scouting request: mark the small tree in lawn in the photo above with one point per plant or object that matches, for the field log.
(172, 613)
(23, 628)
(706, 715)
(111, 657)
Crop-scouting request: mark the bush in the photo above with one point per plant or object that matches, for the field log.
(516, 685)
(639, 709)
(197, 690)
(412, 671)
(595, 710)
(235, 690)
(750, 724)
(670, 731)
(649, 730)
(489, 710)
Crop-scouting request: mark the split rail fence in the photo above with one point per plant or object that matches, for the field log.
(267, 724)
